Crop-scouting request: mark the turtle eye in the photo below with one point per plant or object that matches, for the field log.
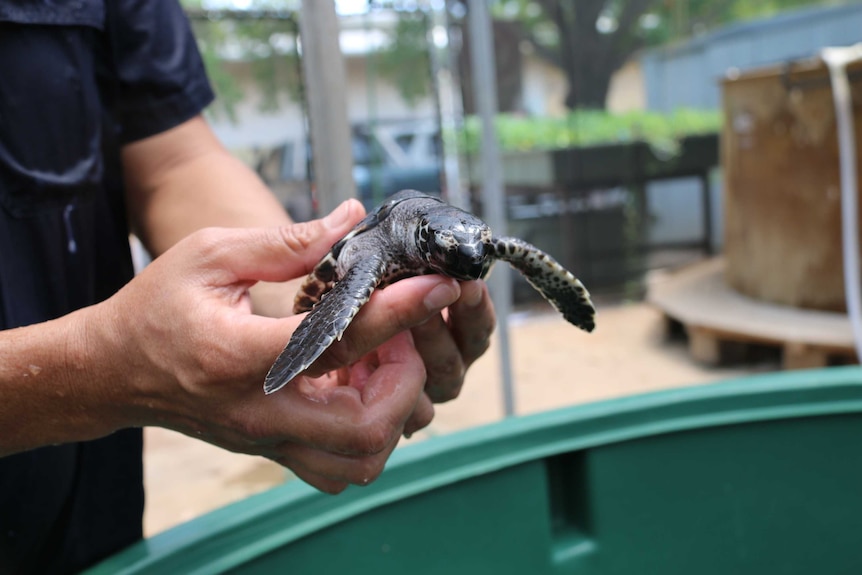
(423, 235)
(423, 231)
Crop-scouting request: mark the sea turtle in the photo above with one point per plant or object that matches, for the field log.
(412, 234)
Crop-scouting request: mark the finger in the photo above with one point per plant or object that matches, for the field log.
(398, 307)
(442, 357)
(319, 482)
(472, 321)
(272, 254)
(335, 467)
(421, 416)
(348, 420)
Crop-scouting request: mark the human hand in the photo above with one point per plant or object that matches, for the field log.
(193, 357)
(451, 341)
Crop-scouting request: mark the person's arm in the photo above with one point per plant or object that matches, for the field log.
(184, 180)
(178, 347)
(52, 391)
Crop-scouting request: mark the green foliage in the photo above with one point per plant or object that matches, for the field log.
(279, 78)
(227, 89)
(405, 61)
(590, 39)
(666, 20)
(267, 44)
(592, 127)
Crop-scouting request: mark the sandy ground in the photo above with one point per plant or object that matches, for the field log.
(554, 366)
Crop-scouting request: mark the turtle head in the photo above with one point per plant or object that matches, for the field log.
(456, 247)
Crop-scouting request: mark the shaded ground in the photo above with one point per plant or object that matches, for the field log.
(554, 365)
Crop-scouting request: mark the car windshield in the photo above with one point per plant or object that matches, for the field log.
(366, 151)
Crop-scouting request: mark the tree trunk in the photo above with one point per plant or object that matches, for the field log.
(592, 93)
(589, 77)
(509, 61)
(589, 57)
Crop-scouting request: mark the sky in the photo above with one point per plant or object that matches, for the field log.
(351, 6)
(343, 6)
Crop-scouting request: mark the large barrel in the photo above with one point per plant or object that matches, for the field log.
(782, 185)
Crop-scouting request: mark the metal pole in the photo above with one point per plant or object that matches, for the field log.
(837, 59)
(706, 198)
(449, 104)
(493, 200)
(326, 95)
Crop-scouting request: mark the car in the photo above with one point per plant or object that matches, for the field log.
(387, 157)
(284, 169)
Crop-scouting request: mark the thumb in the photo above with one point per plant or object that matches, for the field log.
(283, 253)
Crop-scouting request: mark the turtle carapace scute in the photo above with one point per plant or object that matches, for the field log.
(412, 234)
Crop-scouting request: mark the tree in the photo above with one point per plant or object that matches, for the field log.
(590, 39)
(406, 60)
(264, 37)
(594, 39)
(587, 39)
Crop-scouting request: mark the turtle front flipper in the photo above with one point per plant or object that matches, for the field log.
(556, 284)
(325, 323)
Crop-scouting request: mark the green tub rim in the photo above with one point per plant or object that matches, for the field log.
(231, 535)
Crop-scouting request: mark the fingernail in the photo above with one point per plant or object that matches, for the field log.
(338, 216)
(442, 295)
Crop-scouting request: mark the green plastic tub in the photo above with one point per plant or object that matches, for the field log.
(761, 475)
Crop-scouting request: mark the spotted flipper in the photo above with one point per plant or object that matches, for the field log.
(316, 285)
(563, 290)
(326, 323)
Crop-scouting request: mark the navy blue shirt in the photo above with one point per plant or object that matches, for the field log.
(77, 81)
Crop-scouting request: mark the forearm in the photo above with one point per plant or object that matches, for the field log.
(202, 185)
(56, 386)
(184, 180)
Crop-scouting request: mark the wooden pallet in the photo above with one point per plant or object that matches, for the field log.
(724, 326)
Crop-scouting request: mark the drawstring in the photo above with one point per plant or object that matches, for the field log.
(72, 246)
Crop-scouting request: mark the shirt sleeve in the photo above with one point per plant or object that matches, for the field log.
(159, 74)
